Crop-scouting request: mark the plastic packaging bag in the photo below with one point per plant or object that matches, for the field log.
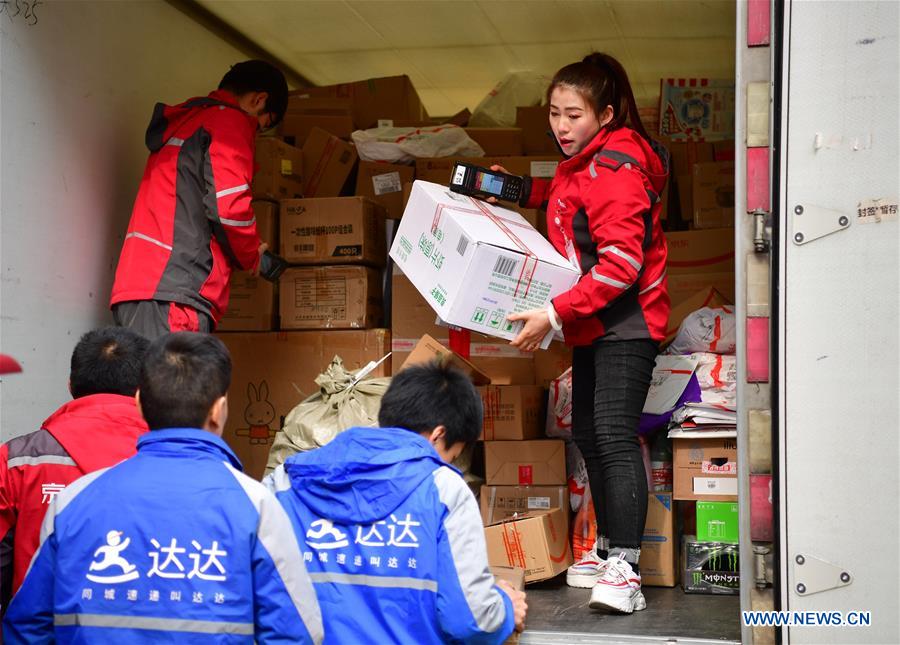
(717, 375)
(405, 145)
(343, 401)
(576, 476)
(498, 108)
(559, 406)
(706, 330)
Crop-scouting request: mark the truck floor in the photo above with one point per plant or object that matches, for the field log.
(559, 614)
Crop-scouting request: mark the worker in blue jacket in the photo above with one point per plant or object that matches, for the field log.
(175, 544)
(390, 532)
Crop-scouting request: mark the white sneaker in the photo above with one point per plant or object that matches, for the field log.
(618, 589)
(585, 573)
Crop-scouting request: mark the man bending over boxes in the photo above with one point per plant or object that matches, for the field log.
(390, 533)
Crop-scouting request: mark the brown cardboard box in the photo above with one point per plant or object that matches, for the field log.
(535, 124)
(551, 362)
(685, 285)
(280, 170)
(515, 576)
(328, 162)
(273, 372)
(296, 127)
(705, 469)
(503, 502)
(683, 156)
(713, 188)
(512, 412)
(659, 546)
(334, 297)
(412, 317)
(251, 304)
(707, 297)
(333, 230)
(428, 349)
(383, 183)
(538, 543)
(525, 463)
(391, 97)
(498, 141)
(301, 102)
(705, 251)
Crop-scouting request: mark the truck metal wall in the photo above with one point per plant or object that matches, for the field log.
(838, 330)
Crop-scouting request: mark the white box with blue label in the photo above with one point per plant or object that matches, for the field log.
(475, 263)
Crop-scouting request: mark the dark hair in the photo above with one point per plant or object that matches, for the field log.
(602, 81)
(422, 397)
(183, 375)
(107, 361)
(259, 76)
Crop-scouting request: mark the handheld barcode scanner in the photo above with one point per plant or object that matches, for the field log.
(271, 266)
(476, 181)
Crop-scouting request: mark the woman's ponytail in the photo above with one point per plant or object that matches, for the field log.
(603, 81)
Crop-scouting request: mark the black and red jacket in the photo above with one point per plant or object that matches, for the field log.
(603, 209)
(192, 221)
(84, 435)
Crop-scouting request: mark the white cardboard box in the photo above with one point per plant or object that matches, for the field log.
(475, 263)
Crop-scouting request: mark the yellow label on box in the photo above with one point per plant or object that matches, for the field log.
(287, 168)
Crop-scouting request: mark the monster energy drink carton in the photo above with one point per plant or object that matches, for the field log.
(710, 567)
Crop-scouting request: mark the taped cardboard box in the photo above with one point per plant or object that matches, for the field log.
(279, 173)
(334, 297)
(540, 462)
(512, 412)
(551, 362)
(296, 128)
(387, 98)
(536, 136)
(703, 251)
(328, 162)
(412, 317)
(683, 155)
(273, 372)
(437, 170)
(476, 263)
(335, 230)
(683, 286)
(713, 190)
(537, 543)
(705, 469)
(383, 183)
(252, 300)
(498, 141)
(428, 350)
(503, 502)
(659, 545)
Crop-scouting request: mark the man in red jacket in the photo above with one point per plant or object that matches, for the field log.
(192, 223)
(98, 428)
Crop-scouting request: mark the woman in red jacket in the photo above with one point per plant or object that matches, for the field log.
(603, 208)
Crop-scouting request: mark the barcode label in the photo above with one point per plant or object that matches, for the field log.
(538, 503)
(304, 248)
(463, 245)
(505, 266)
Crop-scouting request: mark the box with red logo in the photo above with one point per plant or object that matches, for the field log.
(540, 462)
(705, 468)
(512, 412)
(475, 263)
(537, 542)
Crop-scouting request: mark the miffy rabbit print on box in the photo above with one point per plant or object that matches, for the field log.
(258, 414)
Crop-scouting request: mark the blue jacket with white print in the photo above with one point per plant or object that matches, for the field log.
(393, 541)
(172, 545)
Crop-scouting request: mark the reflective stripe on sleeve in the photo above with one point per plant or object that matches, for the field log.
(615, 250)
(653, 284)
(231, 191)
(147, 238)
(238, 222)
(599, 277)
(388, 582)
(156, 624)
(57, 460)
